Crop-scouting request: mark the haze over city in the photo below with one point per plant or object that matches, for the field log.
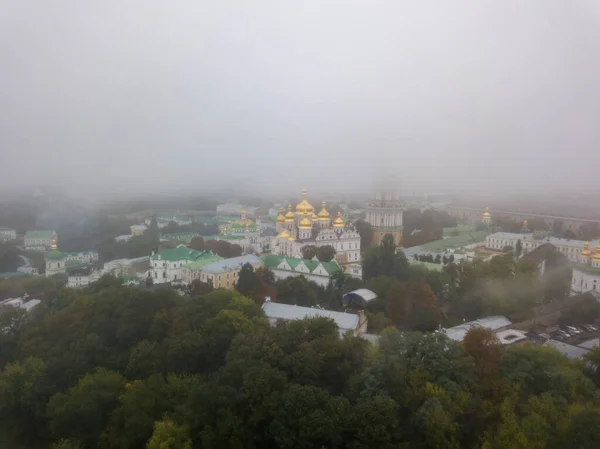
(148, 96)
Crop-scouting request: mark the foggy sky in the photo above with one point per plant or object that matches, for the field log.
(149, 95)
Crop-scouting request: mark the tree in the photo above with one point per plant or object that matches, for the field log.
(365, 231)
(297, 290)
(325, 253)
(397, 305)
(24, 392)
(248, 283)
(197, 287)
(438, 259)
(593, 357)
(197, 243)
(169, 435)
(518, 248)
(308, 417)
(83, 411)
(265, 275)
(425, 308)
(309, 251)
(485, 348)
(223, 248)
(569, 234)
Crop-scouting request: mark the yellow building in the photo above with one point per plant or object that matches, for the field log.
(225, 273)
(384, 214)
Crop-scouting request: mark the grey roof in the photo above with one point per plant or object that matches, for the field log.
(30, 304)
(590, 344)
(222, 266)
(511, 235)
(269, 232)
(572, 352)
(345, 321)
(491, 322)
(510, 336)
(364, 293)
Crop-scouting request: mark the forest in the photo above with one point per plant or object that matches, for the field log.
(110, 366)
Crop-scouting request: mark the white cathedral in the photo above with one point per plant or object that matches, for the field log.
(304, 227)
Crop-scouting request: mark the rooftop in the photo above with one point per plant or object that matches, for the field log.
(274, 310)
(181, 253)
(225, 265)
(570, 351)
(443, 245)
(511, 336)
(491, 322)
(590, 344)
(273, 261)
(513, 235)
(197, 265)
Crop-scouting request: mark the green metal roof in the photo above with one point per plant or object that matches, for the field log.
(197, 265)
(39, 234)
(55, 255)
(440, 246)
(273, 260)
(181, 253)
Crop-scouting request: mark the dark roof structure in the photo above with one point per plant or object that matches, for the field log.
(358, 298)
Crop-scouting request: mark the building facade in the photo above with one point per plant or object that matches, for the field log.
(305, 227)
(58, 262)
(384, 214)
(586, 273)
(313, 270)
(571, 248)
(39, 240)
(7, 234)
(167, 265)
(225, 273)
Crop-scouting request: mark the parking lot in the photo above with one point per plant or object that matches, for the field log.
(573, 334)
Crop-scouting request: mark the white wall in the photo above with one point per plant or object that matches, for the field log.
(583, 282)
(283, 274)
(10, 233)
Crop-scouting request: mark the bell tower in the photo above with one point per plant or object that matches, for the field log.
(384, 214)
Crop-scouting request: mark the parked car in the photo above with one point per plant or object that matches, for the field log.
(558, 337)
(544, 336)
(573, 330)
(565, 334)
(587, 327)
(594, 328)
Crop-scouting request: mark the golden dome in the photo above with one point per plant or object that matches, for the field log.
(243, 211)
(487, 214)
(324, 215)
(338, 222)
(305, 223)
(289, 217)
(291, 238)
(304, 207)
(585, 252)
(596, 254)
(283, 235)
(280, 217)
(314, 217)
